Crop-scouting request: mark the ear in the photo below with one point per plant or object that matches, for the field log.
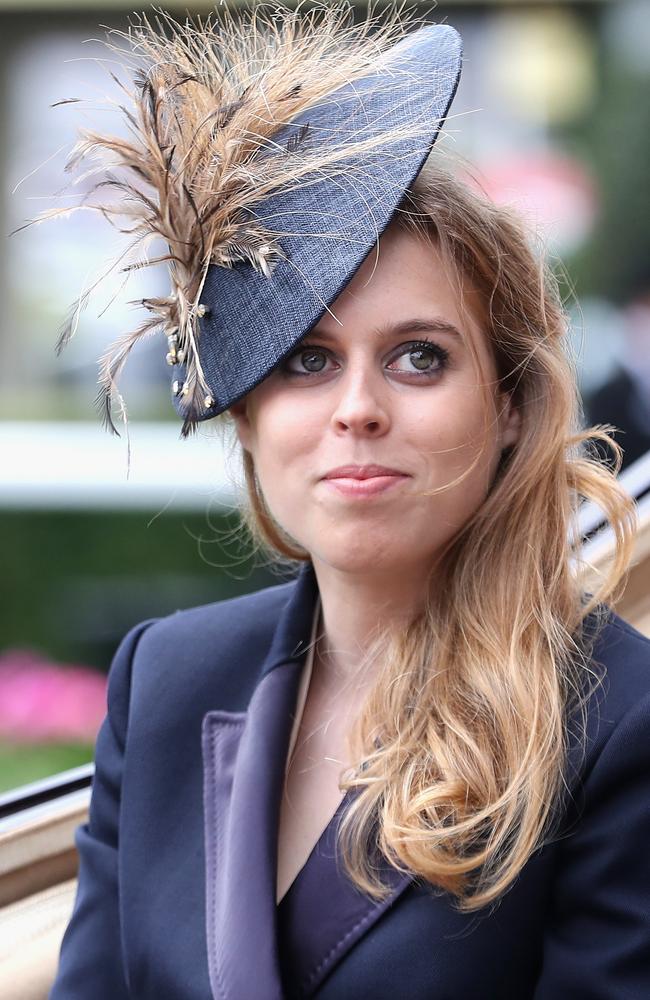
(239, 413)
(510, 421)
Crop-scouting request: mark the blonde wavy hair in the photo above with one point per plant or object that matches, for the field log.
(461, 744)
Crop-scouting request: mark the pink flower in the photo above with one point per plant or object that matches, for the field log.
(42, 702)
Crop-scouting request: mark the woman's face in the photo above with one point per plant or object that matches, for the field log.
(391, 384)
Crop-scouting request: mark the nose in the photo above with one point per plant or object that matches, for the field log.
(361, 405)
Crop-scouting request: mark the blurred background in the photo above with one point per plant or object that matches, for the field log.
(99, 532)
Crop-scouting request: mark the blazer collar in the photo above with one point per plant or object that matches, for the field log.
(292, 633)
(244, 761)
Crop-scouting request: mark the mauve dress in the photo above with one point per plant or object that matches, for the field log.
(310, 893)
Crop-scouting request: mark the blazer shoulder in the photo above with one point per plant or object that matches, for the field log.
(212, 650)
(621, 654)
(244, 618)
(619, 669)
(246, 612)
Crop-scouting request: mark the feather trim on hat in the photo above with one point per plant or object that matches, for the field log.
(202, 104)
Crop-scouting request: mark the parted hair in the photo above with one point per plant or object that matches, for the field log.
(460, 748)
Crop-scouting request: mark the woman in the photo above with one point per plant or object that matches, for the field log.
(420, 768)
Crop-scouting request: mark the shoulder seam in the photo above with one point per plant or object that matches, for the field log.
(638, 707)
(213, 605)
(627, 629)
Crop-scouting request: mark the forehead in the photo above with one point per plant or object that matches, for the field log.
(410, 325)
(406, 286)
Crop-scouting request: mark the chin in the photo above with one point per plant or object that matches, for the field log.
(359, 560)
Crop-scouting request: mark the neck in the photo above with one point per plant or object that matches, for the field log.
(353, 607)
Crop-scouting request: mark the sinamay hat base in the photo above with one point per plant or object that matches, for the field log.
(269, 151)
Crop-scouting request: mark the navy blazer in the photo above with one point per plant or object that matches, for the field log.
(176, 895)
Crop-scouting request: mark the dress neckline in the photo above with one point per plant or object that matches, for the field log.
(301, 698)
(305, 680)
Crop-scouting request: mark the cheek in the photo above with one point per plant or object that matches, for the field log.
(285, 455)
(462, 443)
(456, 418)
(284, 440)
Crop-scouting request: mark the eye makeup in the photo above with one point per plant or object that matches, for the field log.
(424, 347)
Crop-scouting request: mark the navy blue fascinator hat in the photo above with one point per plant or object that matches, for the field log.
(266, 152)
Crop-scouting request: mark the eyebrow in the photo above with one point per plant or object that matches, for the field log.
(416, 325)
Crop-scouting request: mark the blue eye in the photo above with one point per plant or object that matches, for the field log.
(425, 356)
(313, 359)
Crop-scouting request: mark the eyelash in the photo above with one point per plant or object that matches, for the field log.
(429, 346)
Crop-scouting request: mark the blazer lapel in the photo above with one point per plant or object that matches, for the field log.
(244, 760)
(244, 757)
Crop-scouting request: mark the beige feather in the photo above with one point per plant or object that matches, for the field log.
(202, 103)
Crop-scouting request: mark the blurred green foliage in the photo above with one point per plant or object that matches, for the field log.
(615, 140)
(22, 763)
(76, 581)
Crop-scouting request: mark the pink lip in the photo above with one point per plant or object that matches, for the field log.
(363, 480)
(364, 487)
(362, 472)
